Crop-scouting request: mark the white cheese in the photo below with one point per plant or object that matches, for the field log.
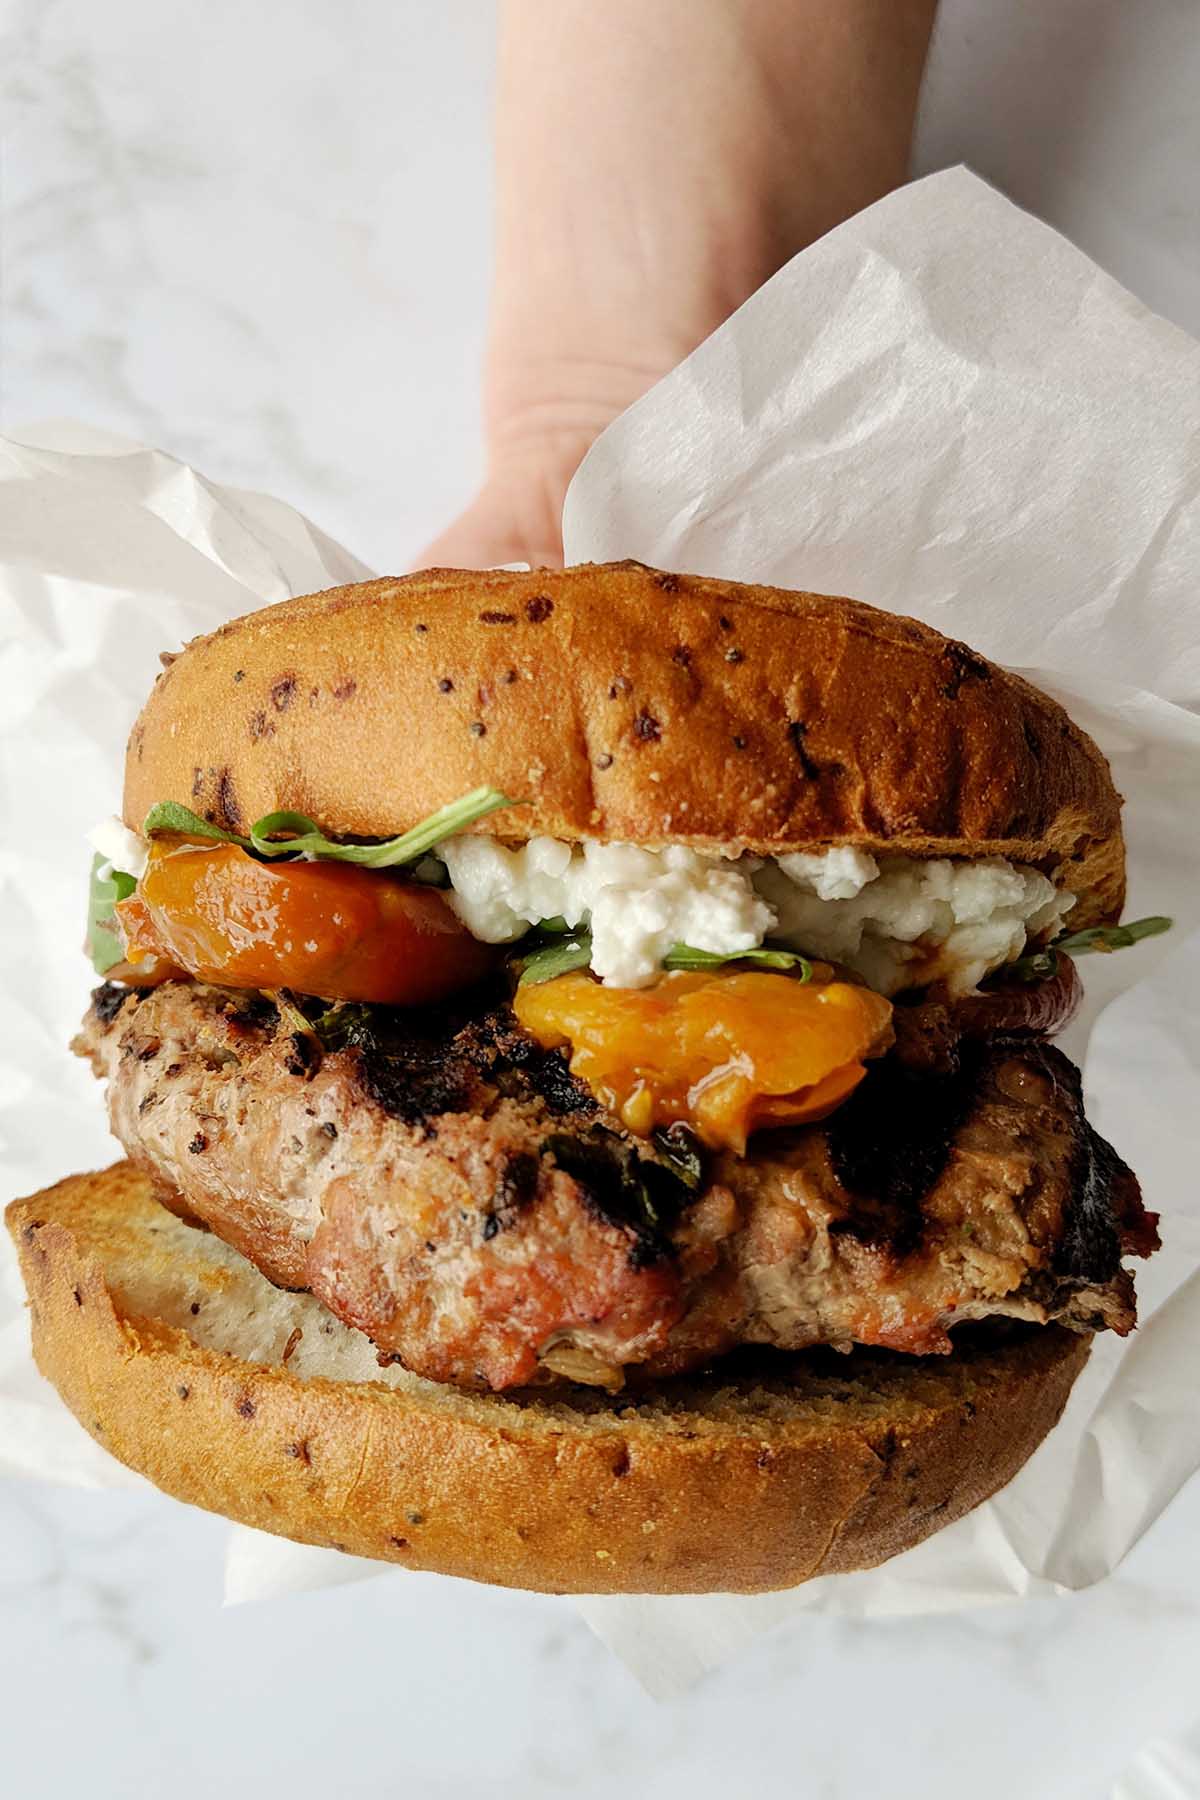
(837, 874)
(897, 921)
(638, 902)
(915, 921)
(120, 847)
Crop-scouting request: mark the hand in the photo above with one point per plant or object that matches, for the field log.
(517, 514)
(655, 164)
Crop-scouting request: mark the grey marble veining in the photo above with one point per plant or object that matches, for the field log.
(256, 237)
(115, 1660)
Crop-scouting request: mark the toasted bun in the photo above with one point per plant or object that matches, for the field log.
(181, 1359)
(631, 706)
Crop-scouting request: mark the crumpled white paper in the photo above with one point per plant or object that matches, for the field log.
(109, 554)
(1163, 1770)
(943, 408)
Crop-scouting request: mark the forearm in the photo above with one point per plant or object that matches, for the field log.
(657, 160)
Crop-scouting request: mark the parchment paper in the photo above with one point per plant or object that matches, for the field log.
(943, 408)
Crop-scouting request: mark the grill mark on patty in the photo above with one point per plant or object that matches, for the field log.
(516, 1064)
(518, 1183)
(890, 1142)
(419, 1066)
(108, 1000)
(303, 1055)
(515, 1190)
(636, 1194)
(251, 1012)
(413, 1078)
(420, 1063)
(598, 1164)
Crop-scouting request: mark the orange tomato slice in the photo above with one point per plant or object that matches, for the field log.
(330, 929)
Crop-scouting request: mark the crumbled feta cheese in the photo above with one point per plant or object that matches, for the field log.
(120, 847)
(899, 922)
(690, 899)
(837, 874)
(915, 921)
(639, 903)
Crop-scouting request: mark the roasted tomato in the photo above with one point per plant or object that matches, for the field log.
(728, 1052)
(330, 929)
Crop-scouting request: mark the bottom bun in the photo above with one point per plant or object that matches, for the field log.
(190, 1367)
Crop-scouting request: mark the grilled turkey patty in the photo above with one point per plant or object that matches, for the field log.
(447, 1186)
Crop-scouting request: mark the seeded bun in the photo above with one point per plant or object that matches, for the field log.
(189, 1366)
(630, 705)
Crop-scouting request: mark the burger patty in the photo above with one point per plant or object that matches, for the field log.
(444, 1184)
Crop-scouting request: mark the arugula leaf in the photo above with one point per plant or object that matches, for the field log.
(1039, 965)
(683, 956)
(1112, 937)
(573, 950)
(104, 944)
(169, 816)
(305, 837)
(557, 958)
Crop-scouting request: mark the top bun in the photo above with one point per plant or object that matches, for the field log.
(629, 705)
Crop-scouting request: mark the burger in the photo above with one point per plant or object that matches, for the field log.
(580, 1042)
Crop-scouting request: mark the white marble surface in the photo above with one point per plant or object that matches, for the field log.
(258, 237)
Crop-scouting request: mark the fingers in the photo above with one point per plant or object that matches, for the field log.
(496, 528)
(517, 515)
